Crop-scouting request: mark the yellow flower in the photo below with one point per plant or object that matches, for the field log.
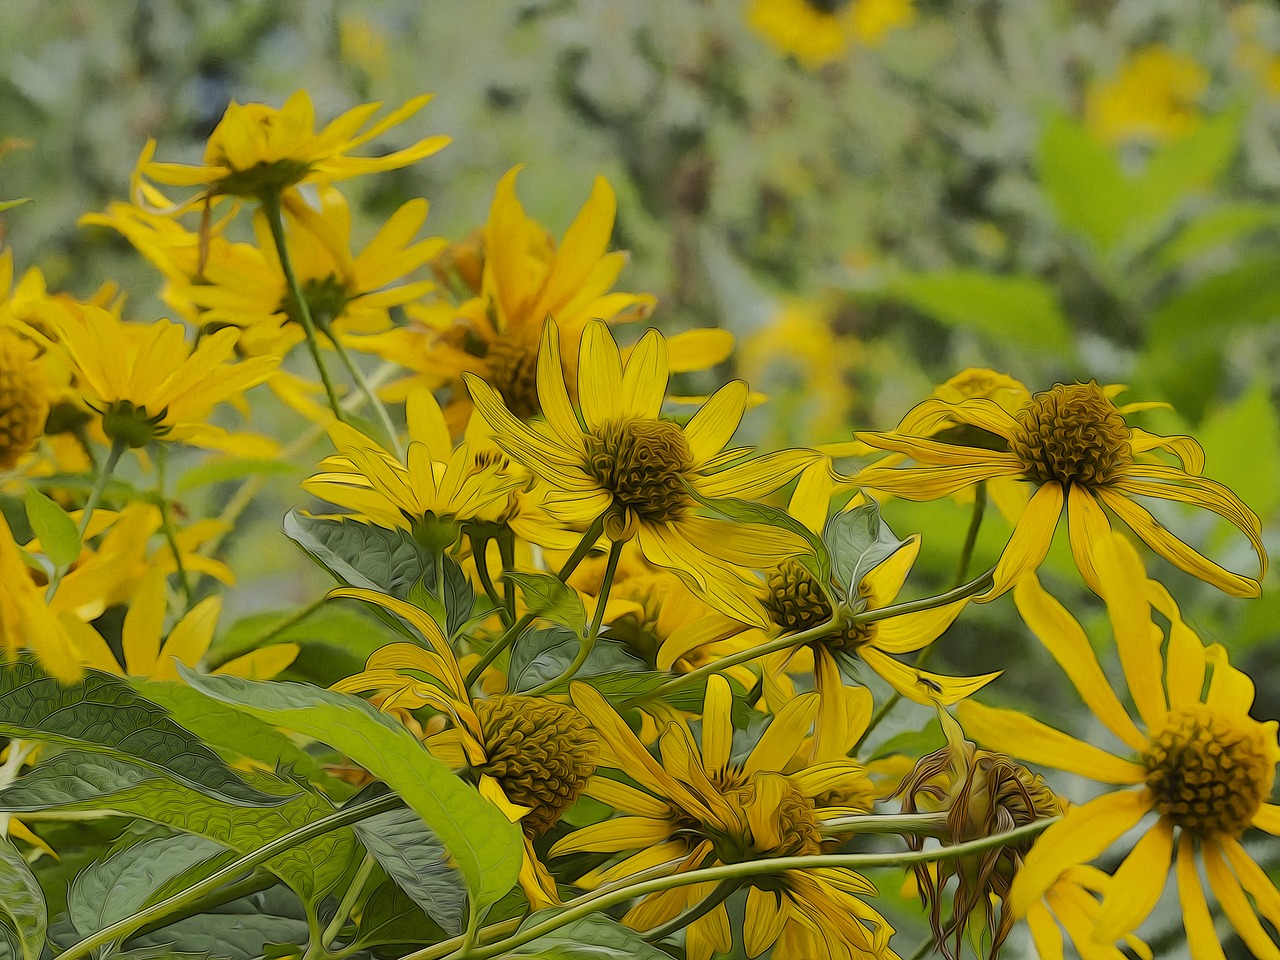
(151, 651)
(1073, 444)
(699, 808)
(26, 622)
(1197, 761)
(1071, 904)
(525, 277)
(816, 32)
(639, 472)
(345, 294)
(259, 151)
(24, 398)
(431, 494)
(1152, 98)
(532, 757)
(147, 383)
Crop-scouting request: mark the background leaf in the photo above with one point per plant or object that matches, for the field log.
(550, 598)
(592, 938)
(858, 540)
(103, 713)
(239, 930)
(22, 906)
(545, 653)
(362, 555)
(417, 861)
(59, 538)
(487, 847)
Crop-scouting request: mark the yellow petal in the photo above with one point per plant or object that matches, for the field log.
(1202, 938)
(1019, 735)
(144, 624)
(1254, 880)
(782, 739)
(1030, 541)
(1185, 660)
(921, 686)
(644, 378)
(1268, 818)
(717, 726)
(712, 427)
(1137, 884)
(1235, 904)
(189, 639)
(599, 377)
(614, 836)
(1086, 525)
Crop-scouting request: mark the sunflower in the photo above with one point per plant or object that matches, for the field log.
(644, 475)
(699, 807)
(258, 151)
(521, 277)
(431, 493)
(1073, 443)
(149, 651)
(146, 383)
(1199, 767)
(529, 756)
(817, 32)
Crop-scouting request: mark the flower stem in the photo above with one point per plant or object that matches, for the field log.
(513, 632)
(717, 896)
(971, 536)
(275, 220)
(480, 552)
(919, 824)
(129, 925)
(166, 522)
(348, 901)
(104, 476)
(593, 632)
(367, 389)
(585, 906)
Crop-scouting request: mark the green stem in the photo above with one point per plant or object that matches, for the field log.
(118, 448)
(367, 389)
(480, 553)
(348, 901)
(128, 926)
(254, 883)
(217, 658)
(971, 536)
(919, 824)
(716, 897)
(509, 637)
(585, 906)
(593, 632)
(507, 553)
(275, 220)
(166, 522)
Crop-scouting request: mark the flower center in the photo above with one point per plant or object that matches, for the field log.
(513, 372)
(24, 400)
(1208, 774)
(643, 464)
(1072, 434)
(266, 178)
(132, 424)
(542, 754)
(799, 831)
(795, 602)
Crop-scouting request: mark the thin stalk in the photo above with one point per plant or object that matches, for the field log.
(717, 896)
(585, 906)
(254, 883)
(919, 824)
(509, 637)
(593, 632)
(166, 522)
(357, 374)
(480, 551)
(275, 220)
(971, 536)
(118, 448)
(507, 553)
(216, 660)
(128, 926)
(348, 901)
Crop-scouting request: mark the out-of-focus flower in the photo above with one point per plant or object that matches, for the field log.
(1152, 98)
(24, 397)
(625, 464)
(1074, 445)
(258, 151)
(821, 31)
(362, 43)
(1199, 762)
(26, 622)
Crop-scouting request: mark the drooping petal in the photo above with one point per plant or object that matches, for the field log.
(1202, 938)
(1254, 880)
(1235, 904)
(1086, 525)
(921, 686)
(1137, 884)
(1030, 541)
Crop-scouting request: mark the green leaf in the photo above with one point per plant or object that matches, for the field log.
(859, 540)
(415, 859)
(1216, 228)
(10, 204)
(232, 468)
(1014, 309)
(459, 597)
(1185, 167)
(544, 654)
(639, 685)
(362, 555)
(69, 778)
(102, 713)
(1084, 183)
(488, 848)
(1247, 294)
(1242, 447)
(592, 938)
(240, 930)
(549, 598)
(390, 916)
(116, 887)
(312, 869)
(22, 907)
(227, 730)
(59, 538)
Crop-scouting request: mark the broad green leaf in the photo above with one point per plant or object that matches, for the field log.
(544, 654)
(59, 538)
(1186, 166)
(312, 868)
(459, 598)
(232, 468)
(1242, 447)
(1218, 227)
(69, 778)
(415, 859)
(1014, 309)
(240, 930)
(22, 908)
(360, 554)
(592, 938)
(549, 598)
(858, 540)
(116, 886)
(230, 732)
(1084, 183)
(488, 848)
(390, 916)
(102, 713)
(1246, 294)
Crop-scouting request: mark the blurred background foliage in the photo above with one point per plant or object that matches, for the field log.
(870, 203)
